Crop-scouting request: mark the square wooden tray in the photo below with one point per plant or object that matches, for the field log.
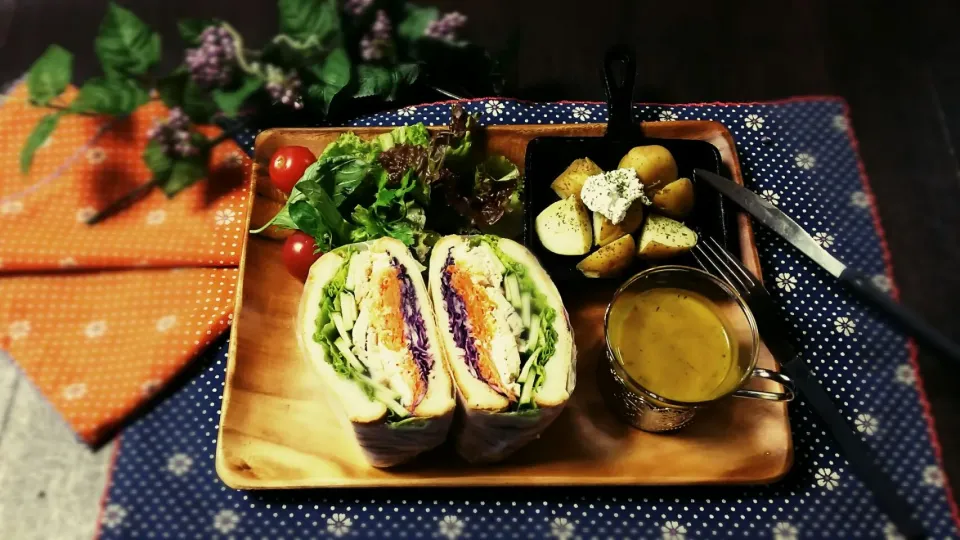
(276, 430)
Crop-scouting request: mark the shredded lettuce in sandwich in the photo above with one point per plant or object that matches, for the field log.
(326, 331)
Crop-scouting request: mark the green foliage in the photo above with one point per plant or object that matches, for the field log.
(125, 45)
(177, 90)
(114, 97)
(37, 137)
(49, 75)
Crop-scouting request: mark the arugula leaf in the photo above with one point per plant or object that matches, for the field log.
(283, 219)
(330, 216)
(306, 19)
(125, 45)
(49, 75)
(230, 101)
(384, 82)
(345, 174)
(333, 76)
(115, 97)
(40, 133)
(179, 90)
(308, 219)
(190, 29)
(415, 21)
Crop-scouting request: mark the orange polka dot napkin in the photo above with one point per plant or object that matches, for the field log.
(100, 317)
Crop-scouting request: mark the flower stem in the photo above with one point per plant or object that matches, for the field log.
(311, 41)
(239, 51)
(122, 203)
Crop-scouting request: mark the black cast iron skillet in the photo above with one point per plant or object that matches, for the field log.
(547, 157)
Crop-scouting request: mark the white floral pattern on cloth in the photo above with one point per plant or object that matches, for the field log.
(85, 213)
(450, 527)
(113, 516)
(784, 531)
(668, 116)
(882, 282)
(74, 391)
(805, 161)
(673, 530)
(339, 524)
(827, 478)
(845, 325)
(753, 121)
(860, 199)
(95, 329)
(819, 202)
(156, 217)
(840, 122)
(9, 208)
(18, 330)
(225, 521)
(179, 464)
(407, 111)
(890, 532)
(933, 476)
(166, 322)
(823, 239)
(786, 282)
(905, 374)
(562, 528)
(224, 217)
(581, 113)
(866, 424)
(770, 196)
(494, 107)
(96, 155)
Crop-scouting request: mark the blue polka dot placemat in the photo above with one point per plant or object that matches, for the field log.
(799, 154)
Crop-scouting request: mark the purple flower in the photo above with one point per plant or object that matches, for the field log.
(284, 88)
(446, 27)
(376, 42)
(211, 64)
(356, 7)
(173, 134)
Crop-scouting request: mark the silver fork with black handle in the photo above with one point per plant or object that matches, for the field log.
(716, 260)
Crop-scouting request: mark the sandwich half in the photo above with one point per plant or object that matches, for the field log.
(507, 339)
(366, 325)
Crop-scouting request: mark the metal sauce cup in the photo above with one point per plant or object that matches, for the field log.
(641, 407)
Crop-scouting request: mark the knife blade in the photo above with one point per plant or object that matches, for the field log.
(788, 229)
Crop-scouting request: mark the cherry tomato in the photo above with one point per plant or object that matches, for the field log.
(287, 166)
(298, 254)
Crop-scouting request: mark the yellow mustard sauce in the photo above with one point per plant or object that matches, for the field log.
(673, 343)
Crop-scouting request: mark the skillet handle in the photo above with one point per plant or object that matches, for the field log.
(619, 74)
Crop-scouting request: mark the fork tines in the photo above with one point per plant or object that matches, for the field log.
(716, 260)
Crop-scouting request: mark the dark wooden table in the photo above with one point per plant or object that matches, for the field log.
(897, 64)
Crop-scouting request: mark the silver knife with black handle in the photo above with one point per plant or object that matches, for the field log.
(771, 327)
(780, 223)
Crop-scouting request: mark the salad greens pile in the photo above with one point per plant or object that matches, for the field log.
(408, 184)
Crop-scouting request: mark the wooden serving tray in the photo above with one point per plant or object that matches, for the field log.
(276, 430)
